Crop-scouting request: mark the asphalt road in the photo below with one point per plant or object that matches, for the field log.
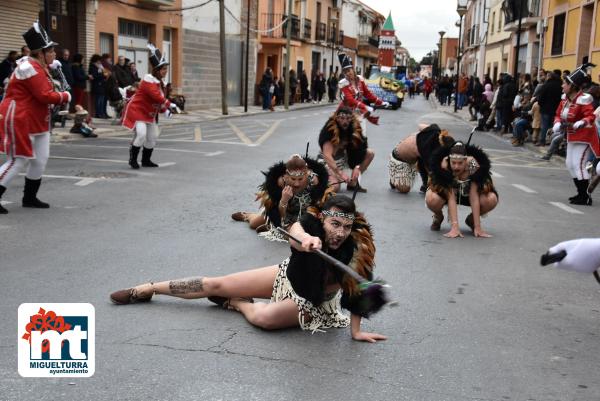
(478, 319)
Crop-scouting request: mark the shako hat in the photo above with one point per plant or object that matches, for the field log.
(345, 61)
(156, 58)
(36, 38)
(579, 76)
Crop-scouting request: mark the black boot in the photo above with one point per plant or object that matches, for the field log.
(30, 194)
(146, 154)
(2, 210)
(133, 155)
(576, 182)
(582, 198)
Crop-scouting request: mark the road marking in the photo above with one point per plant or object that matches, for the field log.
(495, 174)
(90, 159)
(565, 208)
(524, 188)
(239, 133)
(293, 118)
(546, 167)
(85, 182)
(5, 202)
(316, 114)
(269, 132)
(197, 134)
(166, 164)
(217, 153)
(161, 149)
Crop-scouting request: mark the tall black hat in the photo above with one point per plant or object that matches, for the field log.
(156, 58)
(579, 76)
(345, 61)
(36, 38)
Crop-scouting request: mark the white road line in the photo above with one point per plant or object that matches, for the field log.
(524, 188)
(5, 202)
(197, 134)
(496, 174)
(90, 159)
(200, 152)
(217, 153)
(166, 164)
(239, 133)
(566, 208)
(85, 182)
(269, 132)
(293, 118)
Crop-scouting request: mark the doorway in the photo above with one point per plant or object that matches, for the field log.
(585, 33)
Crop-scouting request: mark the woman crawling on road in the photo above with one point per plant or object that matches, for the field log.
(304, 290)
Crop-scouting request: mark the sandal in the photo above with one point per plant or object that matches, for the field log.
(240, 216)
(225, 303)
(130, 296)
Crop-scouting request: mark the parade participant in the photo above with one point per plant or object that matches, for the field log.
(415, 152)
(343, 146)
(141, 112)
(354, 90)
(594, 170)
(25, 128)
(576, 113)
(460, 175)
(285, 195)
(304, 290)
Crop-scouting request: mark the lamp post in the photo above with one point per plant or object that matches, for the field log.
(442, 33)
(517, 5)
(332, 20)
(461, 9)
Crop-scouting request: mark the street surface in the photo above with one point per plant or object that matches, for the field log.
(478, 319)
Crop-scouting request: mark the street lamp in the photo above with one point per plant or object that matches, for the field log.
(461, 9)
(516, 6)
(332, 20)
(442, 33)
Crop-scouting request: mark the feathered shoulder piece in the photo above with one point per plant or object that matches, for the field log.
(343, 83)
(442, 179)
(363, 259)
(269, 192)
(24, 69)
(584, 99)
(318, 191)
(331, 133)
(483, 173)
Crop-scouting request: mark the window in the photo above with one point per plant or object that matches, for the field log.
(499, 22)
(493, 21)
(131, 28)
(558, 34)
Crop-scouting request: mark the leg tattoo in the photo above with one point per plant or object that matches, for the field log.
(186, 285)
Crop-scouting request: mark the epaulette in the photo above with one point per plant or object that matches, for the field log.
(25, 69)
(343, 83)
(151, 78)
(585, 99)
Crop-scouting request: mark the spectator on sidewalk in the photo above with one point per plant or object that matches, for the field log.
(523, 120)
(548, 97)
(25, 51)
(320, 86)
(427, 87)
(293, 86)
(175, 98)
(507, 94)
(79, 79)
(66, 67)
(7, 66)
(122, 73)
(463, 84)
(536, 121)
(96, 71)
(475, 99)
(267, 88)
(498, 104)
(305, 95)
(332, 84)
(134, 72)
(313, 86)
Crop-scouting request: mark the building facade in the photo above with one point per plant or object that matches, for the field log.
(448, 55)
(498, 48)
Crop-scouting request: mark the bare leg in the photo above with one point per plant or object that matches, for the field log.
(268, 316)
(487, 202)
(256, 283)
(434, 202)
(368, 159)
(255, 220)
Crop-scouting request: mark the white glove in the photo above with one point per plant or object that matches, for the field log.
(68, 97)
(583, 255)
(369, 109)
(173, 106)
(167, 113)
(578, 124)
(385, 104)
(55, 64)
(557, 127)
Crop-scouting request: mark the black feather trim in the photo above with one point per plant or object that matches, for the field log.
(317, 191)
(271, 186)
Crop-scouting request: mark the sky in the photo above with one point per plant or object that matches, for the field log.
(418, 22)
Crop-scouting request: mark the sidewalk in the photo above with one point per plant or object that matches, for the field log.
(465, 116)
(112, 127)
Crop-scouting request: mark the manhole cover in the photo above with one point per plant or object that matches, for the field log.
(107, 174)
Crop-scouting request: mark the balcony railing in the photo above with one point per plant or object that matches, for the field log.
(321, 31)
(528, 8)
(307, 29)
(270, 22)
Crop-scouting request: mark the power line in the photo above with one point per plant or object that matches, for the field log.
(141, 7)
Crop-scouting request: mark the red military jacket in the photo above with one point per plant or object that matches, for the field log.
(146, 103)
(25, 107)
(352, 96)
(580, 109)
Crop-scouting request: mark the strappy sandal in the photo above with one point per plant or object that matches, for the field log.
(225, 303)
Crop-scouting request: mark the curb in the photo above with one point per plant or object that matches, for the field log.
(59, 136)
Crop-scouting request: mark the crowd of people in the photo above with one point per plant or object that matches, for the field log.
(272, 89)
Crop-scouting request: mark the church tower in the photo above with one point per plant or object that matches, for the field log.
(387, 43)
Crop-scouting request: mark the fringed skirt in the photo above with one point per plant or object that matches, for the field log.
(401, 173)
(314, 318)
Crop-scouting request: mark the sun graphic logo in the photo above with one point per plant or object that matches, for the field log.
(56, 340)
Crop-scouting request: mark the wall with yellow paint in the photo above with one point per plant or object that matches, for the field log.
(572, 31)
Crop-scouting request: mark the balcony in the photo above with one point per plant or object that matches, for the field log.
(340, 38)
(321, 31)
(368, 46)
(530, 11)
(272, 23)
(306, 29)
(332, 35)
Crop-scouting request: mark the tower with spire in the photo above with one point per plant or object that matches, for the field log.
(387, 43)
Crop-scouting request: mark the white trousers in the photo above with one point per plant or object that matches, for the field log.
(35, 167)
(145, 134)
(577, 156)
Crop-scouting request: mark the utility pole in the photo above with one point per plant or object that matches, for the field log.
(223, 58)
(518, 4)
(247, 58)
(288, 34)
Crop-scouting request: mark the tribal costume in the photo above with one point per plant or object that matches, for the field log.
(304, 276)
(351, 144)
(269, 196)
(442, 181)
